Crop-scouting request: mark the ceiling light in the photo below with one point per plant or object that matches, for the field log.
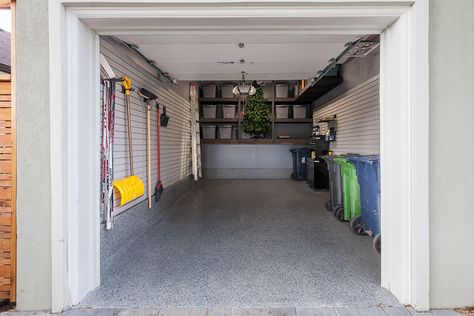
(241, 45)
(244, 89)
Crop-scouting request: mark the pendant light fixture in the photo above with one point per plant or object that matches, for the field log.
(244, 89)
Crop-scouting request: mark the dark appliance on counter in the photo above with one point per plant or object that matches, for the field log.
(317, 175)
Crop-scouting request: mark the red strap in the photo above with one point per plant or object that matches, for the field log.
(159, 145)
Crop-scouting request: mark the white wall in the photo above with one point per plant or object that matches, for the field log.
(175, 138)
(451, 153)
(358, 119)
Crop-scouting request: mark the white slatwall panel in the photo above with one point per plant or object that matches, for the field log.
(175, 138)
(358, 119)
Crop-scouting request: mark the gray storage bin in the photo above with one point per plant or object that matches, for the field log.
(281, 90)
(225, 131)
(235, 133)
(209, 111)
(268, 91)
(226, 91)
(228, 111)
(208, 131)
(299, 111)
(281, 111)
(209, 91)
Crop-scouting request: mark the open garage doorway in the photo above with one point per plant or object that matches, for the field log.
(401, 167)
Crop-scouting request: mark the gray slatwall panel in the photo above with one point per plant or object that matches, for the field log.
(175, 138)
(358, 119)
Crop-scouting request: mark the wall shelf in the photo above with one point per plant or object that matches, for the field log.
(324, 85)
(218, 100)
(285, 100)
(219, 120)
(262, 141)
(293, 127)
(294, 121)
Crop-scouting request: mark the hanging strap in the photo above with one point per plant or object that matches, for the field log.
(158, 124)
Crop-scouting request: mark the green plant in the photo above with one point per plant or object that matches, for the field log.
(257, 115)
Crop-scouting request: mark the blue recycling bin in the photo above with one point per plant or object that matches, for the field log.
(300, 157)
(368, 175)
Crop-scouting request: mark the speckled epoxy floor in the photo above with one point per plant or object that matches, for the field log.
(244, 243)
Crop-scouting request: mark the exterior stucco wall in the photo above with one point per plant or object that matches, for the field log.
(33, 163)
(451, 153)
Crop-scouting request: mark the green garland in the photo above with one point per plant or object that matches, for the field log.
(256, 120)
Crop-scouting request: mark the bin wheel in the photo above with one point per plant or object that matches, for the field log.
(328, 205)
(377, 243)
(339, 213)
(356, 226)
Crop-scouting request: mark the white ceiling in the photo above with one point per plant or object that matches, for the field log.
(283, 48)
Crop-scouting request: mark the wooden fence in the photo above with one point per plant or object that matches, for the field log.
(7, 193)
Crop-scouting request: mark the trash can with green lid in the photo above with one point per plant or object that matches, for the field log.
(350, 191)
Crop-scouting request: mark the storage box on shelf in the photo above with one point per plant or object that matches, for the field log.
(228, 111)
(282, 111)
(209, 111)
(226, 91)
(208, 131)
(209, 91)
(299, 111)
(281, 90)
(225, 131)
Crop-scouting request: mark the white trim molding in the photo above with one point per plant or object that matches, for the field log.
(405, 157)
(404, 131)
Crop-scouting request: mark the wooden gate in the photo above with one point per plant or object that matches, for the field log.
(7, 194)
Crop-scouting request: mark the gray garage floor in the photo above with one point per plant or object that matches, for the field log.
(242, 243)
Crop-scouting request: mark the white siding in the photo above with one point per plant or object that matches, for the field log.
(358, 119)
(175, 138)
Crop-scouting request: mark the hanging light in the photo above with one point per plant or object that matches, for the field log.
(244, 89)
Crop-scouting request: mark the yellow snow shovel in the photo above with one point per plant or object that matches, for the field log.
(130, 187)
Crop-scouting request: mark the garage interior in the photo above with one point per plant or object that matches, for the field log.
(245, 233)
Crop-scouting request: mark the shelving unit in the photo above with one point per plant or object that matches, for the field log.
(276, 123)
(294, 121)
(219, 120)
(282, 141)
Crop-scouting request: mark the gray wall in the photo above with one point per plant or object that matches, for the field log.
(354, 72)
(358, 119)
(33, 156)
(451, 153)
(175, 138)
(247, 161)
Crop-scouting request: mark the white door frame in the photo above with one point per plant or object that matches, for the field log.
(404, 134)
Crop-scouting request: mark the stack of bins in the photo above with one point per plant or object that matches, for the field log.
(350, 191)
(335, 184)
(368, 174)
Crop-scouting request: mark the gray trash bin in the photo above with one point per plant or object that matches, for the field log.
(335, 184)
